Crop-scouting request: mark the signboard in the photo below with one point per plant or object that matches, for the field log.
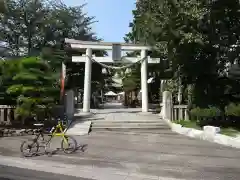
(116, 52)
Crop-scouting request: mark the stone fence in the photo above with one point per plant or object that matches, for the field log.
(7, 114)
(180, 112)
(170, 111)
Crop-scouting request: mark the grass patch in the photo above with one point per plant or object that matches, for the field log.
(192, 124)
(188, 124)
(229, 132)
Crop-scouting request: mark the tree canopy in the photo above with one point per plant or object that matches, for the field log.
(200, 39)
(30, 25)
(32, 34)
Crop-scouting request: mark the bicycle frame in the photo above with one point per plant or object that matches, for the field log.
(40, 133)
(59, 127)
(55, 132)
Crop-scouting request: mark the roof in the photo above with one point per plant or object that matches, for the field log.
(110, 93)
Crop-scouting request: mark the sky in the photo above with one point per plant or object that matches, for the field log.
(113, 17)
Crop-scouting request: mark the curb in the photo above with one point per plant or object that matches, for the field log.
(205, 135)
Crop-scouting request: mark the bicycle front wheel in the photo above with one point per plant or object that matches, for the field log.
(68, 144)
(29, 148)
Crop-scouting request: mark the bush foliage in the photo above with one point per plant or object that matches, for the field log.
(213, 116)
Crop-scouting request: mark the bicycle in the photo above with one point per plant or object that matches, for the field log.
(34, 143)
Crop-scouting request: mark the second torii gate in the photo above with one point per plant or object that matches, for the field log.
(116, 49)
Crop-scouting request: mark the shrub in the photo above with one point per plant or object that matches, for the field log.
(195, 113)
(206, 116)
(198, 113)
(33, 84)
(211, 112)
(233, 110)
(233, 115)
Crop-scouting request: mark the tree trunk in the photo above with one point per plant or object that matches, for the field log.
(3, 6)
(125, 98)
(189, 94)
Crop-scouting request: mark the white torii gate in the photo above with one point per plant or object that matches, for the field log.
(116, 49)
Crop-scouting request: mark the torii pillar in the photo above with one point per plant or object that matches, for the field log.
(144, 85)
(87, 81)
(89, 46)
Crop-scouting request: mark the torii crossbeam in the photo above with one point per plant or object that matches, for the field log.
(116, 49)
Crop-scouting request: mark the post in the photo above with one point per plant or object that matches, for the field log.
(70, 105)
(186, 117)
(167, 106)
(180, 91)
(144, 85)
(2, 118)
(87, 81)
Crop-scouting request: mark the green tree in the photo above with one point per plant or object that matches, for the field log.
(34, 27)
(198, 38)
(30, 25)
(7, 71)
(33, 87)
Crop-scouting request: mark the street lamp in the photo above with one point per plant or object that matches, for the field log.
(3, 6)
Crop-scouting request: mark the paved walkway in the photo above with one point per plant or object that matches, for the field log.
(13, 173)
(116, 111)
(157, 154)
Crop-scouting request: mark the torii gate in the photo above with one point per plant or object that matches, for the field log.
(116, 49)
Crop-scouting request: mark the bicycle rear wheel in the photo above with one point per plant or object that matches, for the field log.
(70, 145)
(29, 148)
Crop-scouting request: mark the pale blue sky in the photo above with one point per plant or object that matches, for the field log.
(113, 17)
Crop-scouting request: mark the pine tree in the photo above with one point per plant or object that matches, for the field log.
(33, 86)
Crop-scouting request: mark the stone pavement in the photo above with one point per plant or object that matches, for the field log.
(115, 116)
(13, 173)
(116, 111)
(134, 155)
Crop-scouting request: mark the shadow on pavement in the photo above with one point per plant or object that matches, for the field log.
(80, 147)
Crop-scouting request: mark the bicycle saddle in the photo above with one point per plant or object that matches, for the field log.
(38, 124)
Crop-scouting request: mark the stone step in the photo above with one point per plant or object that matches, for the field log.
(117, 121)
(134, 131)
(78, 132)
(83, 127)
(129, 124)
(79, 128)
(128, 129)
